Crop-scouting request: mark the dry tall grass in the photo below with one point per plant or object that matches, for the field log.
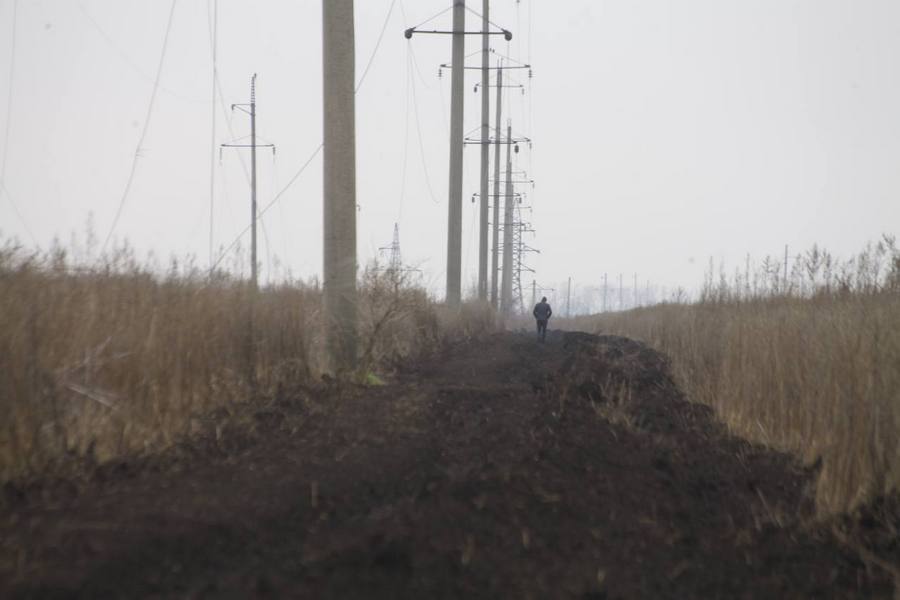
(809, 363)
(110, 358)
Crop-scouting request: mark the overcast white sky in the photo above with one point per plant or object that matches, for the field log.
(664, 132)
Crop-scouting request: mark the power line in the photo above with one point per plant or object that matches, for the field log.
(267, 207)
(432, 18)
(415, 62)
(150, 105)
(315, 153)
(15, 207)
(213, 36)
(421, 145)
(411, 56)
(377, 45)
(127, 60)
(9, 96)
(409, 76)
(9, 101)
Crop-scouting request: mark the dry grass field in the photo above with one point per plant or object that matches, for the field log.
(493, 466)
(104, 358)
(809, 363)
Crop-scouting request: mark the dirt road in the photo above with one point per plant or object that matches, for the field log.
(501, 468)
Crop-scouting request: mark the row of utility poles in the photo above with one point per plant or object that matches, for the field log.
(340, 195)
(512, 249)
(604, 292)
(339, 180)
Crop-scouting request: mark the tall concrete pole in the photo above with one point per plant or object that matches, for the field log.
(454, 203)
(508, 201)
(495, 255)
(339, 210)
(485, 156)
(253, 265)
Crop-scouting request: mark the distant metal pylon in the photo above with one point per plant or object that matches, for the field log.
(395, 260)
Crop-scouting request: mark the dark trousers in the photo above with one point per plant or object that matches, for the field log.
(542, 329)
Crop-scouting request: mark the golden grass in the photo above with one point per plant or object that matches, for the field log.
(114, 358)
(811, 365)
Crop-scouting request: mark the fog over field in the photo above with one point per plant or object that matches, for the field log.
(665, 133)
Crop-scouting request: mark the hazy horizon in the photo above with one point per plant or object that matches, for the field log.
(663, 134)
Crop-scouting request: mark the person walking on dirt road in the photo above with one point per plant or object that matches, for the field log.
(542, 313)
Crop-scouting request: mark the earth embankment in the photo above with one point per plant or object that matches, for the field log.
(498, 468)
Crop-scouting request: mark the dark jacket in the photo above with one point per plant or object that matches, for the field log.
(542, 311)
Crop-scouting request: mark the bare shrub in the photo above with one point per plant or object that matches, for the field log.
(397, 319)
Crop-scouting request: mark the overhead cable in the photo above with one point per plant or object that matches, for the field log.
(315, 152)
(150, 105)
(9, 102)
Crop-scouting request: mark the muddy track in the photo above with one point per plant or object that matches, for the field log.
(501, 468)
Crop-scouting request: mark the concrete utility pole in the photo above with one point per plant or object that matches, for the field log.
(253, 265)
(508, 216)
(250, 109)
(533, 293)
(454, 203)
(495, 255)
(339, 210)
(485, 156)
(569, 299)
(498, 140)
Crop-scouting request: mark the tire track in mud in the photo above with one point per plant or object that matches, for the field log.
(498, 468)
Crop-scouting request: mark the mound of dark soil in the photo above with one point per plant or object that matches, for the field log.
(500, 468)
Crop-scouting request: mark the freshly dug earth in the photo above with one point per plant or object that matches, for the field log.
(500, 468)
